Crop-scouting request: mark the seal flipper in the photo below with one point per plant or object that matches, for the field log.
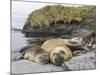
(75, 47)
(23, 50)
(19, 57)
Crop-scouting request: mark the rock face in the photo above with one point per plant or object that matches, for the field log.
(48, 22)
(62, 29)
(25, 66)
(83, 62)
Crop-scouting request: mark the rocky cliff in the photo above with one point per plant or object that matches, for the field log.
(60, 20)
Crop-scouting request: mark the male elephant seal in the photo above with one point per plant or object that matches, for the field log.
(36, 55)
(57, 51)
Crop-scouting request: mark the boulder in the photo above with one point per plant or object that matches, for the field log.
(82, 62)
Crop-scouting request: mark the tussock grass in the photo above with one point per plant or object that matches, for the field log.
(58, 14)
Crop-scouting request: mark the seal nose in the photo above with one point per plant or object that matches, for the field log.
(59, 59)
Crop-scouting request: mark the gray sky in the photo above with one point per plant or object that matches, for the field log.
(21, 10)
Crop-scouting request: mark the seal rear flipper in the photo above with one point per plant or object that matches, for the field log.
(23, 49)
(19, 57)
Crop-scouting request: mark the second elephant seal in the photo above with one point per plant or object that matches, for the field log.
(36, 55)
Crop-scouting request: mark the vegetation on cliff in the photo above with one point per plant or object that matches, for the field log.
(57, 14)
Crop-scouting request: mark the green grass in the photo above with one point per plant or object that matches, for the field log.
(58, 14)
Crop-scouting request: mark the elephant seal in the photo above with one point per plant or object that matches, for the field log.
(57, 50)
(36, 55)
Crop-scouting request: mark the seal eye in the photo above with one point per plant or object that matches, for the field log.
(53, 54)
(62, 52)
(40, 57)
(45, 55)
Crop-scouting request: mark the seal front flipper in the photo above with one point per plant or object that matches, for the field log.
(75, 47)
